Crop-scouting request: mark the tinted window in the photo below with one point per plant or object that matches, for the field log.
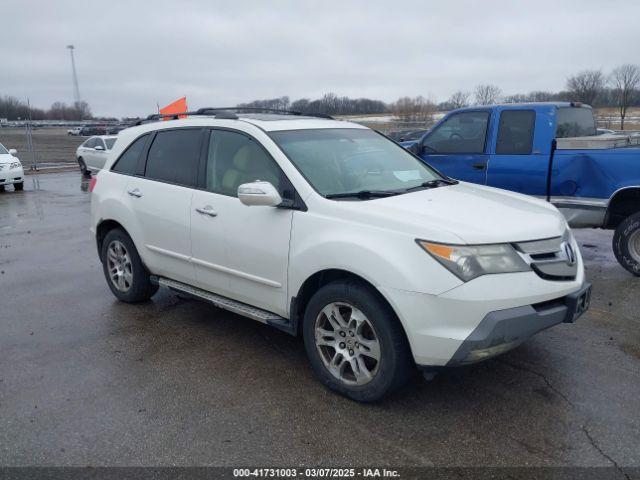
(128, 161)
(461, 133)
(110, 142)
(515, 132)
(173, 156)
(234, 159)
(575, 122)
(344, 160)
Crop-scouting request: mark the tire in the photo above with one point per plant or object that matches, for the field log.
(18, 187)
(358, 376)
(1, 188)
(131, 281)
(626, 243)
(83, 167)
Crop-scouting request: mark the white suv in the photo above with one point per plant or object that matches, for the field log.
(330, 230)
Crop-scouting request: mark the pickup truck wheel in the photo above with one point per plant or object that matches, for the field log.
(354, 342)
(626, 243)
(126, 276)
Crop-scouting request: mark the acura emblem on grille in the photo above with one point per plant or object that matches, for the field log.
(569, 252)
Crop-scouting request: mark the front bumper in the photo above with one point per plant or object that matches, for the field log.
(437, 326)
(9, 177)
(503, 330)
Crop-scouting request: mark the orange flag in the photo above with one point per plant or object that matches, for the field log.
(178, 106)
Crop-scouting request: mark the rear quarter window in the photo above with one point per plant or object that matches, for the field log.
(128, 161)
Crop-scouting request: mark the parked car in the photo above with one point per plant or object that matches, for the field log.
(74, 131)
(115, 129)
(90, 130)
(330, 230)
(549, 150)
(92, 154)
(406, 135)
(11, 172)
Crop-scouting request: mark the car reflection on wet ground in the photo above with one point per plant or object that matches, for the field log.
(87, 380)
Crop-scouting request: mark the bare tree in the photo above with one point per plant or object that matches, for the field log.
(414, 109)
(459, 99)
(625, 80)
(486, 94)
(586, 86)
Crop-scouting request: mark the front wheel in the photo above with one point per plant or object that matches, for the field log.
(126, 276)
(626, 243)
(18, 187)
(355, 343)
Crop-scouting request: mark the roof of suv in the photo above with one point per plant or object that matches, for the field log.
(268, 122)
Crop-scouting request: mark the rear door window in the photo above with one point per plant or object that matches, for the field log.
(174, 156)
(515, 132)
(128, 161)
(463, 132)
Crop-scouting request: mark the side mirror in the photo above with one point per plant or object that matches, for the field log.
(13, 151)
(259, 193)
(100, 148)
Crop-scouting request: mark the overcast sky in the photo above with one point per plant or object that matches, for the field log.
(132, 54)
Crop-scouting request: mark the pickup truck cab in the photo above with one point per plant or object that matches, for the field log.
(330, 230)
(551, 151)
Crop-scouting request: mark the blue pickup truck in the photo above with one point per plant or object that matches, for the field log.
(549, 150)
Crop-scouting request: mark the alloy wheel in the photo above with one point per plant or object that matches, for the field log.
(119, 266)
(347, 343)
(634, 245)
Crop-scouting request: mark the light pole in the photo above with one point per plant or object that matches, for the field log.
(76, 89)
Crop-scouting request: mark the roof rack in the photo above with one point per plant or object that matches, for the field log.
(210, 110)
(227, 113)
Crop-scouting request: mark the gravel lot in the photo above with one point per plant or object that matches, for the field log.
(85, 380)
(52, 145)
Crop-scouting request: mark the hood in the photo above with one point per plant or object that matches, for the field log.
(464, 213)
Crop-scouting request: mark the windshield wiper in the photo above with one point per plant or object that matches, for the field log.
(438, 182)
(364, 194)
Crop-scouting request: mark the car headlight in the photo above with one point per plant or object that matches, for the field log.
(470, 261)
(15, 165)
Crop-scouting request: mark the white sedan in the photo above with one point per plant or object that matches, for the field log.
(11, 172)
(92, 154)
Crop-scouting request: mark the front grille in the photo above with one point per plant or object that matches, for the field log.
(552, 258)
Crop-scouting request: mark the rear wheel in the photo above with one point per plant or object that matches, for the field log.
(18, 186)
(626, 243)
(354, 342)
(126, 276)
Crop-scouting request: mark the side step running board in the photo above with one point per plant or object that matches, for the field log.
(225, 303)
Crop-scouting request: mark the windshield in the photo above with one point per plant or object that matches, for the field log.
(109, 142)
(575, 122)
(344, 160)
(3, 151)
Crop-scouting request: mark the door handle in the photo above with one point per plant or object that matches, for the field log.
(479, 166)
(135, 193)
(207, 210)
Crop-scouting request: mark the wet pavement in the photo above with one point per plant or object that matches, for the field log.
(85, 380)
